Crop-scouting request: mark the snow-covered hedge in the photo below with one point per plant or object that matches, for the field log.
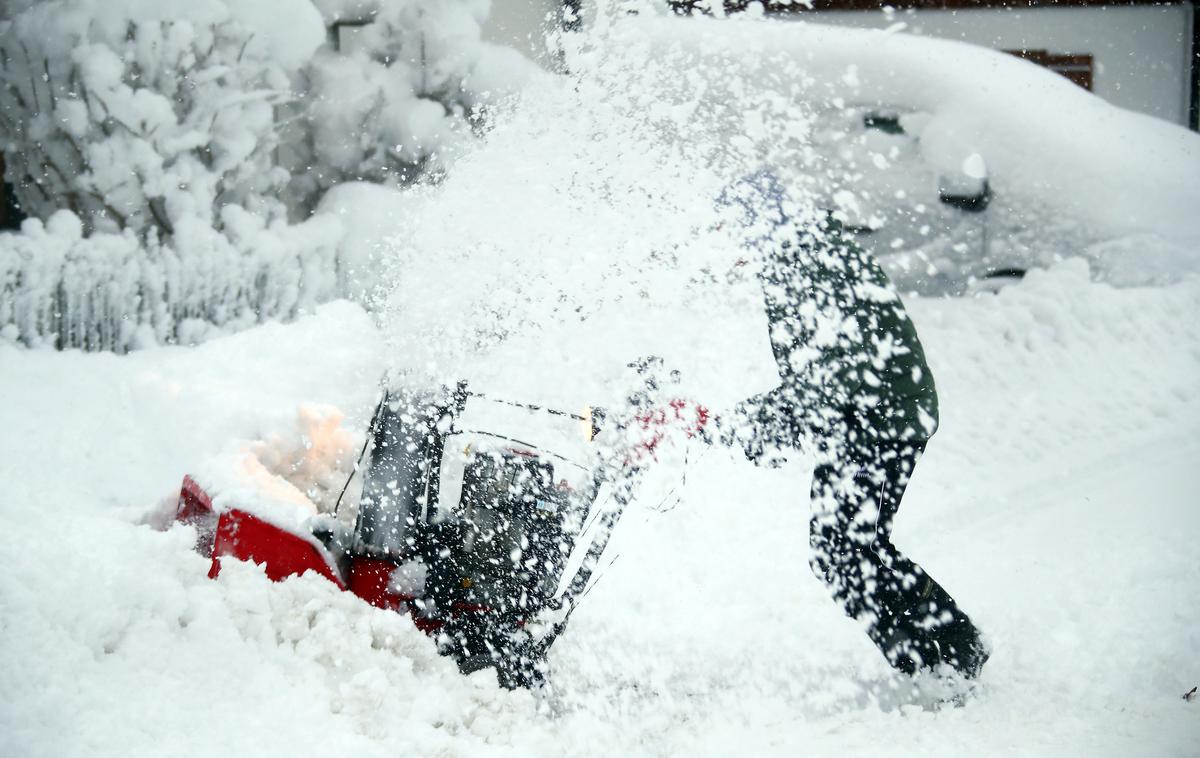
(112, 291)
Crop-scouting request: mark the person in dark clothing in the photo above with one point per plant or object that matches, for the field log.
(854, 382)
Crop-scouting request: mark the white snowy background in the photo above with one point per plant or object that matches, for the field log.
(1057, 502)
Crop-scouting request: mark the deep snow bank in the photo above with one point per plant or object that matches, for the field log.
(1055, 502)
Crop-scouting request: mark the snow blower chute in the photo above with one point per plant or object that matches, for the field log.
(479, 517)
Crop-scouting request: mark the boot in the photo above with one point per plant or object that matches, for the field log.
(961, 647)
(925, 628)
(904, 647)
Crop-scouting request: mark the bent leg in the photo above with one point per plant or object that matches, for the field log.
(909, 616)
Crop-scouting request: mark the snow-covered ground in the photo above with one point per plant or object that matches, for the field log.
(1057, 502)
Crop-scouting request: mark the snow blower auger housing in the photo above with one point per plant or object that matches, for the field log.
(471, 510)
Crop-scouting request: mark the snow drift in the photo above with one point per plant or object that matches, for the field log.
(1055, 499)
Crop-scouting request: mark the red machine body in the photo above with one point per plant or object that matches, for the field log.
(238, 534)
(282, 553)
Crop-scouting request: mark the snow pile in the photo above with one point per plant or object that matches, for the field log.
(1055, 503)
(269, 669)
(286, 478)
(317, 458)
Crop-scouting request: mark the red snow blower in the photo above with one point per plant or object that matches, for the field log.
(471, 512)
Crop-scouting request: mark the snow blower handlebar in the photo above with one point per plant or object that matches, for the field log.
(444, 487)
(650, 427)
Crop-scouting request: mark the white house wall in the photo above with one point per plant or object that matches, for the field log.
(522, 24)
(1141, 52)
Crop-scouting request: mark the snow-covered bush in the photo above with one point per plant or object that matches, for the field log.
(112, 291)
(155, 147)
(143, 117)
(396, 98)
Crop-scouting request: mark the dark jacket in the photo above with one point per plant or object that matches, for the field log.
(845, 347)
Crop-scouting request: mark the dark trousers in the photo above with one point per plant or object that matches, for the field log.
(856, 493)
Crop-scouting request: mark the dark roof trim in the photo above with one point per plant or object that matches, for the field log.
(874, 5)
(1194, 104)
(786, 7)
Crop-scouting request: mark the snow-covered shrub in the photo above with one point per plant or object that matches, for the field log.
(146, 117)
(144, 136)
(153, 146)
(112, 291)
(395, 99)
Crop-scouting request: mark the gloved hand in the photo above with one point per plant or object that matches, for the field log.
(762, 426)
(656, 411)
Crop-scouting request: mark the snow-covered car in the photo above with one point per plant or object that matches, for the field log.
(935, 230)
(957, 163)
